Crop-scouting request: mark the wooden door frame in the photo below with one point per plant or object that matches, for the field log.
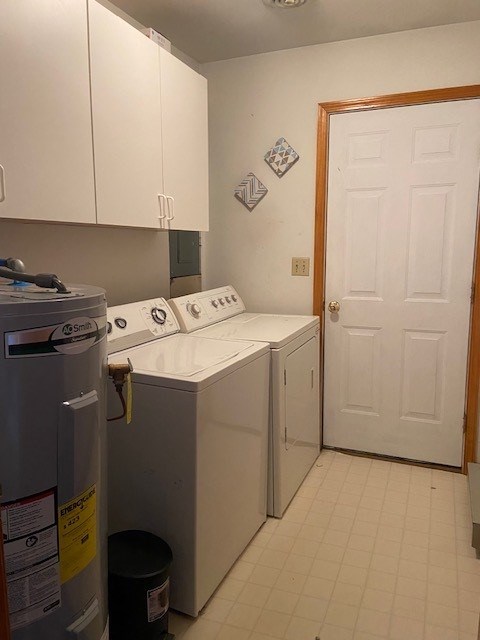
(325, 110)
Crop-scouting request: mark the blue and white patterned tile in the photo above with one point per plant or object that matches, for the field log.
(281, 157)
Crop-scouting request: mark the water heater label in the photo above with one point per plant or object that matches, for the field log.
(31, 556)
(69, 338)
(77, 533)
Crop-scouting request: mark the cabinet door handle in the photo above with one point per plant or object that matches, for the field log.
(171, 210)
(161, 204)
(3, 192)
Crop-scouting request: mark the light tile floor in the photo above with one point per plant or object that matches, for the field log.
(367, 550)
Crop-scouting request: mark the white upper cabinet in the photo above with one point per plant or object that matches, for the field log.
(98, 124)
(46, 153)
(127, 124)
(185, 144)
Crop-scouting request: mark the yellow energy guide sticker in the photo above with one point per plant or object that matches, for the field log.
(77, 532)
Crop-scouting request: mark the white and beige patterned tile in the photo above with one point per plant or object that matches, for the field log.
(367, 550)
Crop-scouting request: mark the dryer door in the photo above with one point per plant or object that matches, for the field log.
(295, 428)
(302, 397)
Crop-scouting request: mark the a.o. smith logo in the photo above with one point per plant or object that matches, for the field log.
(70, 329)
(72, 337)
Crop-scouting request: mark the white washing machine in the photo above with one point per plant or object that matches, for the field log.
(294, 341)
(192, 465)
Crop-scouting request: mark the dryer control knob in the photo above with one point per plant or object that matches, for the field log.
(228, 300)
(215, 303)
(194, 310)
(159, 315)
(234, 298)
(221, 301)
(121, 323)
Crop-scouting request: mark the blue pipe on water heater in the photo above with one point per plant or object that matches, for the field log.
(15, 265)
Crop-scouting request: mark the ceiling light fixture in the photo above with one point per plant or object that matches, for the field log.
(284, 4)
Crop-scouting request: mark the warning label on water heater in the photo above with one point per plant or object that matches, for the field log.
(78, 533)
(31, 557)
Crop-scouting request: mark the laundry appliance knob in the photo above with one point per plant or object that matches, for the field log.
(159, 315)
(194, 310)
(121, 323)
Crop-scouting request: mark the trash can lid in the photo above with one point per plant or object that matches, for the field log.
(137, 554)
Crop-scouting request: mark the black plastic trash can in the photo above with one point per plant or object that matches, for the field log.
(138, 582)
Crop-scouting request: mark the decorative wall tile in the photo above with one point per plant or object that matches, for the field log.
(250, 191)
(281, 157)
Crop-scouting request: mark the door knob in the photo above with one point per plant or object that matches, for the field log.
(334, 306)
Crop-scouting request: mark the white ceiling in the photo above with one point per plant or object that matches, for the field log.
(209, 30)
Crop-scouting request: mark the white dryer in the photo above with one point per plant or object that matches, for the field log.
(191, 467)
(295, 433)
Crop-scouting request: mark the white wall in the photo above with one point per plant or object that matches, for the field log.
(130, 264)
(138, 25)
(255, 100)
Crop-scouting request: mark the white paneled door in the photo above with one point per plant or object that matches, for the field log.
(402, 210)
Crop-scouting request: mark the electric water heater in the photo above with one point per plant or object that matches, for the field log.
(52, 461)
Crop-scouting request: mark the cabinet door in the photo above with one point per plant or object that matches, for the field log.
(125, 78)
(45, 123)
(185, 143)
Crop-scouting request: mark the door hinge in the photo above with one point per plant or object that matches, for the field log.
(464, 423)
(285, 377)
(285, 435)
(472, 292)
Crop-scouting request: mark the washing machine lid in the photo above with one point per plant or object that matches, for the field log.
(188, 362)
(277, 330)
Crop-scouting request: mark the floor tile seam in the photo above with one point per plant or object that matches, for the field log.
(376, 610)
(356, 616)
(295, 615)
(391, 617)
(383, 503)
(389, 624)
(406, 614)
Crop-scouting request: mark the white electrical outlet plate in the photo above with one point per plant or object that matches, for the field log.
(300, 266)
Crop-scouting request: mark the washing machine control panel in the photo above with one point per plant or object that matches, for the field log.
(139, 322)
(202, 309)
